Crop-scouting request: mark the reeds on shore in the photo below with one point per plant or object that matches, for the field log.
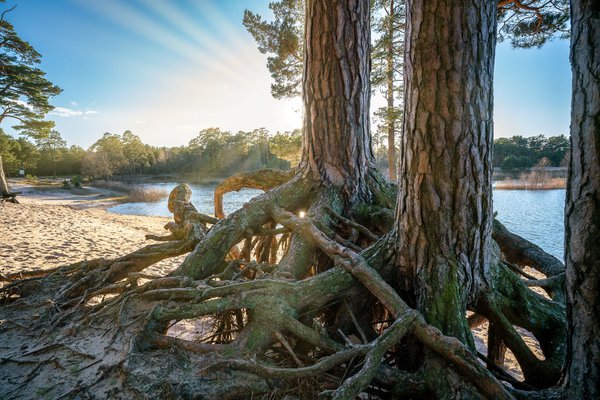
(534, 180)
(135, 193)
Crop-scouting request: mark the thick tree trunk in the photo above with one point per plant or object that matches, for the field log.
(391, 136)
(336, 94)
(444, 214)
(582, 210)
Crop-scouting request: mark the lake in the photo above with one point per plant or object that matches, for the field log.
(537, 215)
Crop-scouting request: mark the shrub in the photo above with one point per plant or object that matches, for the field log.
(76, 181)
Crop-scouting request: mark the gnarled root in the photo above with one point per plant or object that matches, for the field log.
(308, 305)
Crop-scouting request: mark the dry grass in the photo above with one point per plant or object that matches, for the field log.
(142, 194)
(534, 180)
(135, 193)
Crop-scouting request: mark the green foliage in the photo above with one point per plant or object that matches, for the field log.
(287, 146)
(532, 23)
(218, 153)
(518, 152)
(17, 154)
(25, 91)
(282, 40)
(214, 153)
(76, 181)
(50, 147)
(388, 19)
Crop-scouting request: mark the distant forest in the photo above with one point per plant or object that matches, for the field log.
(519, 153)
(216, 153)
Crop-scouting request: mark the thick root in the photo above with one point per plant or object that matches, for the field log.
(264, 179)
(321, 316)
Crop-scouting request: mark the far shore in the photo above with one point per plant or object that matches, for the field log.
(527, 184)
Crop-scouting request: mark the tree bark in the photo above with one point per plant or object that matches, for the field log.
(444, 213)
(336, 95)
(391, 136)
(5, 193)
(582, 210)
(3, 185)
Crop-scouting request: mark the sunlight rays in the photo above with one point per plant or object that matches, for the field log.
(189, 41)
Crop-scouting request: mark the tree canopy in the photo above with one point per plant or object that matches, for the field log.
(24, 89)
(532, 23)
(518, 152)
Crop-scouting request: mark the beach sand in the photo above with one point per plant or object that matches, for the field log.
(53, 227)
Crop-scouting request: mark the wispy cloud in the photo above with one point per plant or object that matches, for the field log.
(65, 112)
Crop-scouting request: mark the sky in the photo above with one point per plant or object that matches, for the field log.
(167, 69)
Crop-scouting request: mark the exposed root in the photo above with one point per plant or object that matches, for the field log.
(519, 251)
(264, 179)
(513, 303)
(306, 297)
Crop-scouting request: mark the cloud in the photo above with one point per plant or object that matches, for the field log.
(70, 113)
(74, 103)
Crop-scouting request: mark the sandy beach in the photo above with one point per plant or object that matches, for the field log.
(53, 227)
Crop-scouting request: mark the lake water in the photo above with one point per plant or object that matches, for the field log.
(537, 215)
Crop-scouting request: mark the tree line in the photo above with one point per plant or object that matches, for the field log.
(218, 153)
(520, 153)
(212, 153)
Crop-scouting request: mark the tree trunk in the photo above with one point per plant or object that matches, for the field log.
(444, 213)
(5, 193)
(336, 95)
(582, 210)
(3, 185)
(391, 136)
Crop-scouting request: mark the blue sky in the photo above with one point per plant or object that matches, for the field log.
(167, 69)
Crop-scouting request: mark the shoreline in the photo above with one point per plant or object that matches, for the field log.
(524, 185)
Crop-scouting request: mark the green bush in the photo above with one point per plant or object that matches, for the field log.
(76, 181)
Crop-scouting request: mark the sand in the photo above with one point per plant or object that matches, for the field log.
(53, 227)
